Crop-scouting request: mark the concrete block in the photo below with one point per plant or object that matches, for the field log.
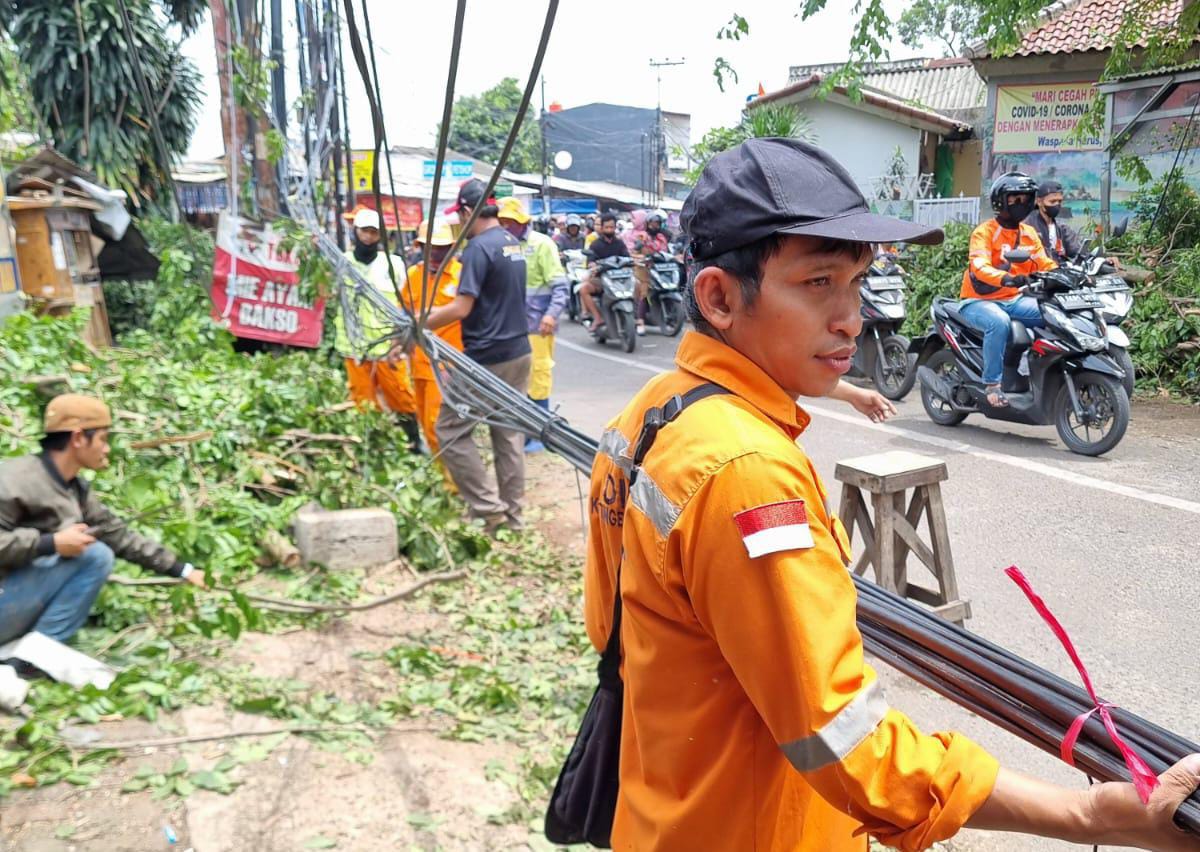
(345, 538)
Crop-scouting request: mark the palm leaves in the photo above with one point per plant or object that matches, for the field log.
(83, 83)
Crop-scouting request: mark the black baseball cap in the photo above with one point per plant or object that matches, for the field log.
(470, 194)
(784, 186)
(1048, 187)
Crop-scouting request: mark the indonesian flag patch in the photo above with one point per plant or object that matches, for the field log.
(774, 527)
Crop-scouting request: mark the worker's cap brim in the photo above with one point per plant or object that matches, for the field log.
(867, 228)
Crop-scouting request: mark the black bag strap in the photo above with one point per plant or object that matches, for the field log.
(652, 422)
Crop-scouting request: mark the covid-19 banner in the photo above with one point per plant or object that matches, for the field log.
(255, 290)
(1042, 118)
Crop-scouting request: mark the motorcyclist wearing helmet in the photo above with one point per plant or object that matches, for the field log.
(991, 286)
(646, 238)
(541, 224)
(572, 236)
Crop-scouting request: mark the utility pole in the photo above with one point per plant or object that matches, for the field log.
(279, 97)
(660, 142)
(545, 162)
(235, 23)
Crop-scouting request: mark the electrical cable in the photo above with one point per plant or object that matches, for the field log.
(151, 114)
(986, 679)
(360, 59)
(387, 149)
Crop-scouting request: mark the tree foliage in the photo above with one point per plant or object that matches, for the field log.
(16, 109)
(84, 83)
(480, 126)
(767, 120)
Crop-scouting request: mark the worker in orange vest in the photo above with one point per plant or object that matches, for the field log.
(751, 718)
(419, 302)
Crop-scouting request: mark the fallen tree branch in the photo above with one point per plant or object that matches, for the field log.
(305, 435)
(293, 606)
(171, 439)
(407, 591)
(124, 745)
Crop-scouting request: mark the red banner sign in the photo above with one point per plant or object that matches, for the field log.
(255, 289)
(407, 209)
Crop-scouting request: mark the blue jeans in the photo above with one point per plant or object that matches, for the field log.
(994, 320)
(53, 595)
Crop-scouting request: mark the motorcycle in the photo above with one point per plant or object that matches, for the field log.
(616, 302)
(1117, 297)
(575, 265)
(664, 303)
(1061, 374)
(882, 353)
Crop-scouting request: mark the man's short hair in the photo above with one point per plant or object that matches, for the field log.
(57, 441)
(746, 264)
(608, 217)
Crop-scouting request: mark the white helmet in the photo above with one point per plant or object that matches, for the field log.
(660, 215)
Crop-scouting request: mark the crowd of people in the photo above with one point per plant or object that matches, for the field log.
(499, 302)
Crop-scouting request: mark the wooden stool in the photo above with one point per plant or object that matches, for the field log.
(892, 533)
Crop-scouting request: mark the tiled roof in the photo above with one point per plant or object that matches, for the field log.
(1077, 26)
(948, 86)
(873, 98)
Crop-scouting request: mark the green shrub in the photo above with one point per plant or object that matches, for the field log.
(934, 271)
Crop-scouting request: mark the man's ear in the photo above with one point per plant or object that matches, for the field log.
(718, 296)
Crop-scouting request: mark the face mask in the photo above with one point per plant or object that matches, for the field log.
(364, 253)
(1019, 212)
(1052, 211)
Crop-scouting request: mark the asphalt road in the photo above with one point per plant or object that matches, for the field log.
(1109, 543)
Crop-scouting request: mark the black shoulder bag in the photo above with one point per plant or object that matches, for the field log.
(585, 797)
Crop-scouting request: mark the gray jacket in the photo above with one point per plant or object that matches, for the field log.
(35, 503)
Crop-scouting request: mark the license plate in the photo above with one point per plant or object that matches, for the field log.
(619, 273)
(668, 268)
(885, 282)
(1079, 300)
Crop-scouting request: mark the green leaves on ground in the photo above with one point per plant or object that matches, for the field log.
(511, 664)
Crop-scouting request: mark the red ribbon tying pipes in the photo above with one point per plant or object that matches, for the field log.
(1144, 779)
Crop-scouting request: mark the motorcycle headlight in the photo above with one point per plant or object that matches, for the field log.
(1074, 327)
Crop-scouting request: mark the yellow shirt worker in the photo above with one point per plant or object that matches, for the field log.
(751, 720)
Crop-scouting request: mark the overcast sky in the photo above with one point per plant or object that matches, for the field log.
(598, 52)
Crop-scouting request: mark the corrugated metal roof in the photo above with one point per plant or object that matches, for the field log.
(947, 86)
(925, 119)
(1077, 26)
(1158, 72)
(945, 89)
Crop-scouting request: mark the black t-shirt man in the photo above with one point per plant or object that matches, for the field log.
(603, 247)
(493, 273)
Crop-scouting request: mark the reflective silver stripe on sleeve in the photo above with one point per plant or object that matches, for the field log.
(614, 445)
(842, 735)
(648, 499)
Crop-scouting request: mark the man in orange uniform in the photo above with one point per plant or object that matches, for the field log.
(375, 377)
(991, 286)
(751, 720)
(425, 388)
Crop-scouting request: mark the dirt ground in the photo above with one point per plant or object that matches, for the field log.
(420, 792)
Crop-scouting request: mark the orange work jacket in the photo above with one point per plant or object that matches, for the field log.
(443, 294)
(751, 719)
(986, 266)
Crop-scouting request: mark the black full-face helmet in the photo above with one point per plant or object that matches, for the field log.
(1008, 185)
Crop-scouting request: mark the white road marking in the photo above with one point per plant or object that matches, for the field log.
(1030, 465)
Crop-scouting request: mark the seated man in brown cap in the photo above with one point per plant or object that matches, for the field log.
(57, 540)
